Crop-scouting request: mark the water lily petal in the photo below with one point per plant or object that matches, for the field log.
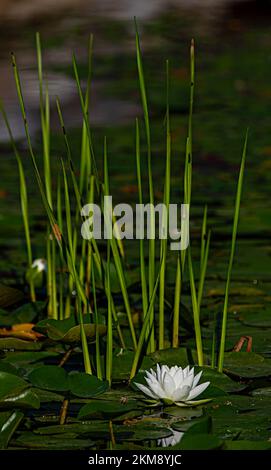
(156, 387)
(188, 380)
(181, 394)
(150, 374)
(197, 379)
(195, 392)
(146, 391)
(186, 372)
(178, 377)
(158, 372)
(168, 385)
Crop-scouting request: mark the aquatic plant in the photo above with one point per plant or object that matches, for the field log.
(173, 385)
(76, 268)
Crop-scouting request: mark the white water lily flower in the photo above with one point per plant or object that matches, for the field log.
(40, 264)
(173, 385)
(172, 440)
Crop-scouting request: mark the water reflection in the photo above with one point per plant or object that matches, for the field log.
(172, 440)
(64, 26)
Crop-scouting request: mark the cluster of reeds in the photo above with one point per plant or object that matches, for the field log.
(75, 264)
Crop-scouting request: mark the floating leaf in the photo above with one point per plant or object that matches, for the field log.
(50, 378)
(122, 364)
(104, 409)
(9, 422)
(19, 344)
(86, 386)
(198, 442)
(23, 358)
(74, 334)
(248, 445)
(32, 441)
(7, 367)
(11, 385)
(25, 399)
(22, 331)
(247, 365)
(68, 331)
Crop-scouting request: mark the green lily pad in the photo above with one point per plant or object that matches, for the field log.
(26, 399)
(260, 318)
(202, 425)
(175, 357)
(32, 441)
(145, 431)
(122, 364)
(232, 417)
(74, 334)
(68, 331)
(20, 344)
(247, 365)
(94, 430)
(11, 385)
(50, 378)
(198, 442)
(25, 357)
(46, 396)
(261, 392)
(248, 445)
(7, 367)
(9, 422)
(219, 381)
(104, 409)
(183, 413)
(86, 386)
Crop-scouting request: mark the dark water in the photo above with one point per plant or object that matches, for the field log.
(233, 65)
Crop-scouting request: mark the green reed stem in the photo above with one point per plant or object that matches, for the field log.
(203, 236)
(176, 308)
(85, 163)
(233, 245)
(151, 274)
(166, 200)
(97, 342)
(197, 326)
(144, 328)
(109, 342)
(203, 269)
(141, 241)
(24, 202)
(116, 257)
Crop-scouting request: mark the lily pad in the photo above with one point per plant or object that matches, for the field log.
(104, 409)
(19, 344)
(26, 399)
(9, 422)
(233, 416)
(175, 356)
(11, 385)
(32, 441)
(86, 386)
(23, 358)
(68, 331)
(198, 442)
(7, 367)
(50, 378)
(247, 365)
(122, 364)
(248, 445)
